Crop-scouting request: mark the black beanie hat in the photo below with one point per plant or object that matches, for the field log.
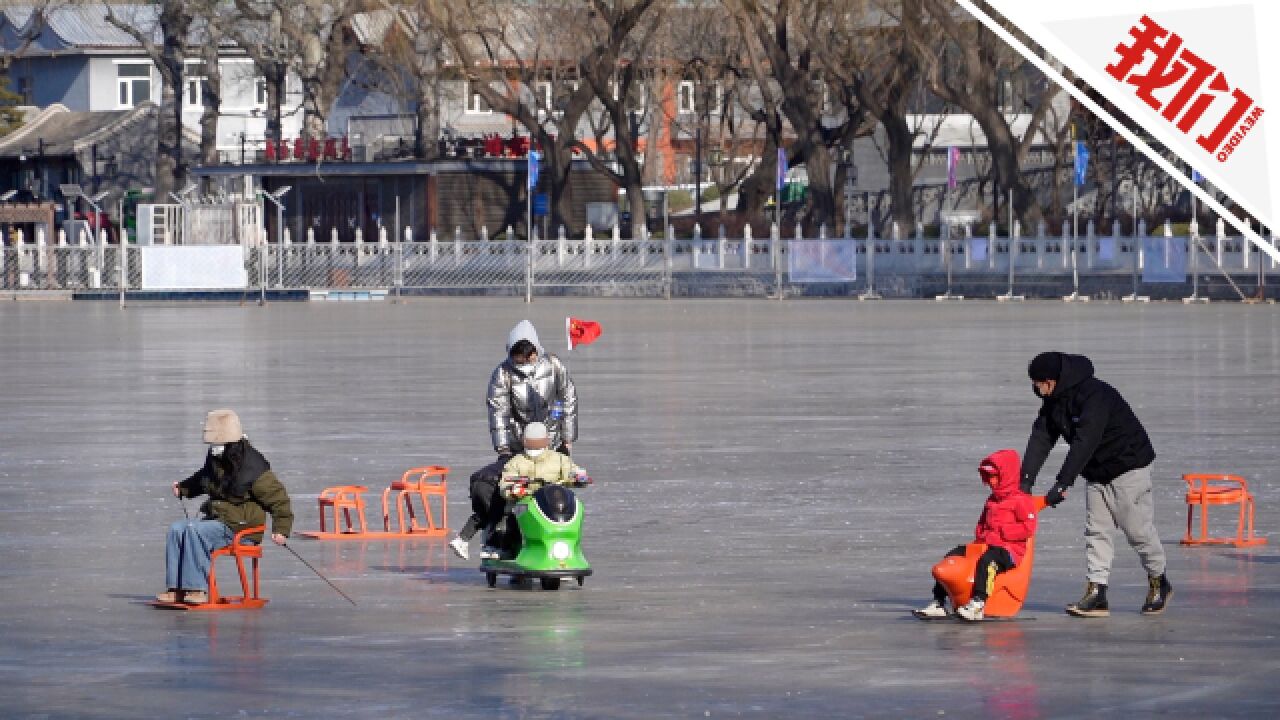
(1046, 366)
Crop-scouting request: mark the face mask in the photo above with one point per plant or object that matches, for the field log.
(217, 450)
(525, 369)
(534, 452)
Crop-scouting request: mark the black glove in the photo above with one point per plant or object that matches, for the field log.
(1055, 496)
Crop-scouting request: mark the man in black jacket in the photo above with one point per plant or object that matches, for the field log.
(1110, 448)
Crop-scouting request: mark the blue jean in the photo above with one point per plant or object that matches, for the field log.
(187, 551)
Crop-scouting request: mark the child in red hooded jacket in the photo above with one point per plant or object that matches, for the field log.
(1008, 520)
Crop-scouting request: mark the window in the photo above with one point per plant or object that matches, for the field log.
(134, 84)
(684, 97)
(195, 91)
(636, 99)
(542, 94)
(260, 92)
(475, 103)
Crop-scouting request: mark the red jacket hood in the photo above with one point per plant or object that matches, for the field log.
(1002, 469)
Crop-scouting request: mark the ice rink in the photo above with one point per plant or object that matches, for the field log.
(773, 482)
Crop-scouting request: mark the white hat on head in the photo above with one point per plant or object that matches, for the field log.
(222, 426)
(535, 435)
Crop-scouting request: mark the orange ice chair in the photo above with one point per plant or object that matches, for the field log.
(956, 575)
(238, 549)
(424, 482)
(345, 499)
(1205, 489)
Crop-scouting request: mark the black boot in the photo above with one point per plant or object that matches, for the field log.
(1157, 595)
(1093, 604)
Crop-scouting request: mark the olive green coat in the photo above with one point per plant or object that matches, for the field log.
(244, 500)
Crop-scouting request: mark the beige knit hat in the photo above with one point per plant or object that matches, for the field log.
(535, 436)
(222, 426)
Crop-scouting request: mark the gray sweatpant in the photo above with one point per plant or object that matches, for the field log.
(1124, 503)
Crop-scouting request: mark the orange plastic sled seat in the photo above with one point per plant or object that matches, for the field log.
(250, 597)
(424, 483)
(344, 499)
(1010, 590)
(1205, 489)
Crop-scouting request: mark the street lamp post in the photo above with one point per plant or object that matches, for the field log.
(276, 199)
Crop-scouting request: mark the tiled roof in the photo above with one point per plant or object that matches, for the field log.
(65, 132)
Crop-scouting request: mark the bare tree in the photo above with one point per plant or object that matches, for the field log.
(514, 54)
(620, 89)
(208, 22)
(257, 30)
(783, 31)
(173, 21)
(963, 63)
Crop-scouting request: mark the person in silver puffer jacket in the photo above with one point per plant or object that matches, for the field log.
(525, 388)
(531, 385)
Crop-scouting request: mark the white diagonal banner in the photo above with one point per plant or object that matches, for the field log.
(1187, 71)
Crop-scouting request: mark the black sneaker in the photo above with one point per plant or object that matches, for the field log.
(1157, 595)
(1093, 604)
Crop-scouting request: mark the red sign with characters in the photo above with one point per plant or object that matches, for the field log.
(1200, 87)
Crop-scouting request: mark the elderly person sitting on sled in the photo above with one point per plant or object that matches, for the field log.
(242, 490)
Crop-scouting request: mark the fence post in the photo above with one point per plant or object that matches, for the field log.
(406, 237)
(775, 253)
(668, 251)
(560, 247)
(457, 245)
(968, 246)
(721, 242)
(530, 244)
(1219, 238)
(616, 239)
(871, 293)
(746, 246)
(587, 239)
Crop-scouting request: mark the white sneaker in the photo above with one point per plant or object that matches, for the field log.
(488, 552)
(931, 611)
(971, 611)
(460, 547)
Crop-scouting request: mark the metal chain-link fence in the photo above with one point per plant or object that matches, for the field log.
(742, 267)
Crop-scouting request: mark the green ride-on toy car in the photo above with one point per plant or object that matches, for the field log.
(542, 535)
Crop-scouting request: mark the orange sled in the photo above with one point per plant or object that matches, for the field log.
(956, 575)
(239, 550)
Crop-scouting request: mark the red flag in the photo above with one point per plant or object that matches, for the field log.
(581, 332)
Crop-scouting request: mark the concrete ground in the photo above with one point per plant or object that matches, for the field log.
(774, 480)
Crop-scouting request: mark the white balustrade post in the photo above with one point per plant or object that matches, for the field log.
(746, 246)
(1090, 237)
(588, 238)
(721, 243)
(993, 237)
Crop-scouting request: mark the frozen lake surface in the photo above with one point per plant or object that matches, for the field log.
(774, 481)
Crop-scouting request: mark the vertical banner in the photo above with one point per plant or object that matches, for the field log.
(534, 157)
(1082, 162)
(782, 171)
(953, 160)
